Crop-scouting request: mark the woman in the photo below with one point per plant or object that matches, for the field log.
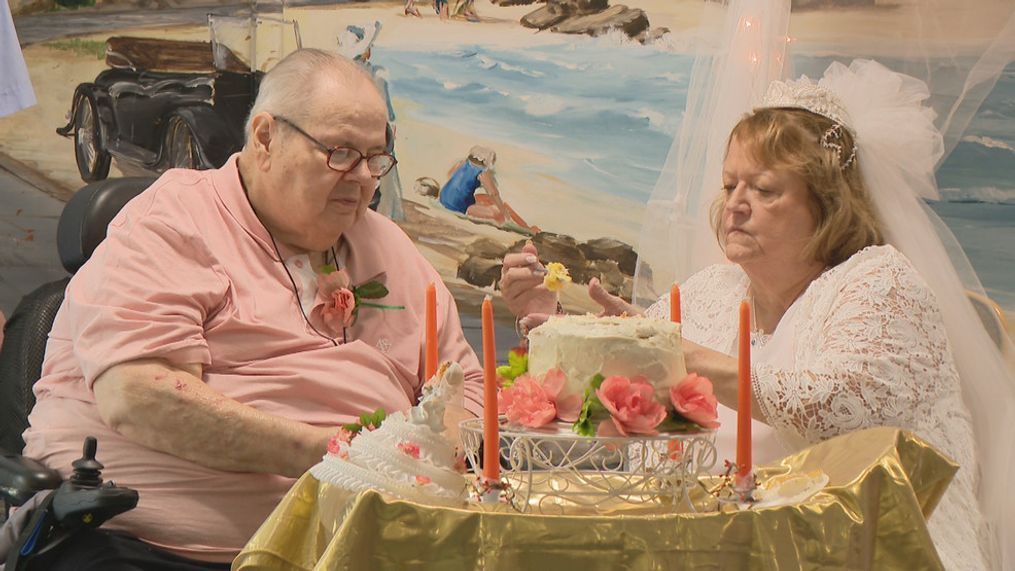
(847, 334)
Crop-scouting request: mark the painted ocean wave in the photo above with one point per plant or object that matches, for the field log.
(989, 142)
(590, 101)
(980, 168)
(988, 194)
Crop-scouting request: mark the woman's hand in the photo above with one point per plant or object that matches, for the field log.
(612, 305)
(721, 369)
(521, 284)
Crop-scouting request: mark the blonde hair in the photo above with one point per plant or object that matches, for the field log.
(288, 89)
(789, 140)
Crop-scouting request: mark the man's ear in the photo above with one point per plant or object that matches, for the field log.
(262, 131)
(389, 139)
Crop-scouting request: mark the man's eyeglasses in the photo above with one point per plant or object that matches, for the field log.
(344, 159)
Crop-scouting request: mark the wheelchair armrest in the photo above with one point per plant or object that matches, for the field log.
(22, 477)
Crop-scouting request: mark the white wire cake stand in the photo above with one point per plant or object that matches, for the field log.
(552, 470)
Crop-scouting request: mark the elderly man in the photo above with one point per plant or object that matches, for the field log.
(197, 346)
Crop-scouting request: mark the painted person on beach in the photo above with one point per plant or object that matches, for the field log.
(356, 43)
(466, 177)
(464, 9)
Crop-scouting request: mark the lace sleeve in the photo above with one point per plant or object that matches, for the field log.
(660, 309)
(871, 350)
(708, 305)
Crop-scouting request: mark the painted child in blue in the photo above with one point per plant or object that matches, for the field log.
(459, 193)
(465, 178)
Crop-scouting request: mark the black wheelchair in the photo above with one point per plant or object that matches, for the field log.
(83, 500)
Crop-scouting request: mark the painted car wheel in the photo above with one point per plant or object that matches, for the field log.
(181, 146)
(92, 159)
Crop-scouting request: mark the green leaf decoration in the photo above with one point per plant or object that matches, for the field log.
(504, 372)
(583, 427)
(328, 269)
(370, 290)
(518, 365)
(374, 418)
(519, 360)
(354, 428)
(591, 409)
(674, 422)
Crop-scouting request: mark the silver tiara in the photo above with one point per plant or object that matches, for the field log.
(805, 94)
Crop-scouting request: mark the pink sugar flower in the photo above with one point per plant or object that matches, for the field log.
(526, 403)
(693, 399)
(410, 448)
(632, 406)
(343, 436)
(535, 402)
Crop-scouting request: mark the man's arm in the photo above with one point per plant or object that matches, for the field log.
(170, 409)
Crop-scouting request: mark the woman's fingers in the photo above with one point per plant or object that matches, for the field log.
(532, 321)
(527, 257)
(521, 260)
(521, 283)
(612, 305)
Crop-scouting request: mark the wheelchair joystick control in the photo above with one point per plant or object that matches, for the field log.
(81, 501)
(84, 499)
(87, 470)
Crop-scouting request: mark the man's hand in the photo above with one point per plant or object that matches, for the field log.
(521, 284)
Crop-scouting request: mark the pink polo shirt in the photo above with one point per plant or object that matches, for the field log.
(189, 274)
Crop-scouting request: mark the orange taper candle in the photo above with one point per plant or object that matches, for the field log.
(430, 365)
(491, 429)
(744, 391)
(675, 303)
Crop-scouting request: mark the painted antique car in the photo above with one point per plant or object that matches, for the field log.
(164, 104)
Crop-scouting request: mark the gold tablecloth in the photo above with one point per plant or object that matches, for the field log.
(883, 483)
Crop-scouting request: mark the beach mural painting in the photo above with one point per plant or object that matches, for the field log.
(504, 133)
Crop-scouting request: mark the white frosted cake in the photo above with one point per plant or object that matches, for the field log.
(408, 456)
(585, 345)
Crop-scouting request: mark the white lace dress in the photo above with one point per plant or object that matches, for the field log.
(863, 346)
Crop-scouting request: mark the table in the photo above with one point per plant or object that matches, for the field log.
(883, 484)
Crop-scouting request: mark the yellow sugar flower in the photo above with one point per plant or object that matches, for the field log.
(556, 276)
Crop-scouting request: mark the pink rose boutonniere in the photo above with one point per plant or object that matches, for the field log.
(340, 301)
